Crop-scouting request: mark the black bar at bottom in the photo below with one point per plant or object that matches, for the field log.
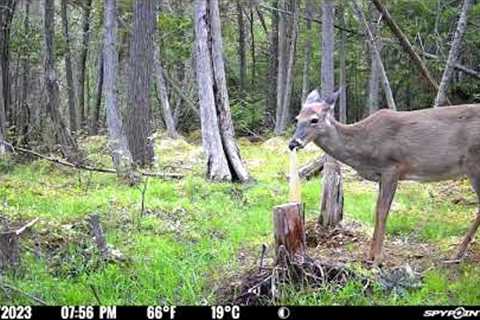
(237, 312)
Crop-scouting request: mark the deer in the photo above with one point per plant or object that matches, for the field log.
(389, 146)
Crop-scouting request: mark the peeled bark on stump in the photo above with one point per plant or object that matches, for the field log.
(289, 232)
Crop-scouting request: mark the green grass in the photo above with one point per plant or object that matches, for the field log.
(189, 242)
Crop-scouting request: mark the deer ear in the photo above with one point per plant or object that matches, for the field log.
(313, 97)
(332, 98)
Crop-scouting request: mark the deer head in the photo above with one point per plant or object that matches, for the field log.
(314, 119)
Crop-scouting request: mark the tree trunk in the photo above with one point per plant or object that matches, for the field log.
(227, 131)
(82, 105)
(374, 78)
(287, 35)
(7, 10)
(69, 71)
(163, 96)
(95, 122)
(224, 162)
(217, 165)
(378, 59)
(331, 210)
(405, 43)
(23, 114)
(271, 94)
(332, 199)
(63, 137)
(342, 110)
(453, 55)
(121, 157)
(241, 50)
(139, 131)
(252, 47)
(307, 50)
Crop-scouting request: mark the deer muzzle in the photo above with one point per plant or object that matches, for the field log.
(296, 144)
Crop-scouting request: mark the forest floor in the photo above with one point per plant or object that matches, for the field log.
(195, 241)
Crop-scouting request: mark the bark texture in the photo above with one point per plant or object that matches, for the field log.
(121, 157)
(287, 38)
(82, 105)
(331, 209)
(72, 110)
(223, 157)
(139, 130)
(441, 98)
(62, 134)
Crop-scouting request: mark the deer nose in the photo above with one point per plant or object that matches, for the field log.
(295, 143)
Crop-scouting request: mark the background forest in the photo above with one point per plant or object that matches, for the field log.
(178, 99)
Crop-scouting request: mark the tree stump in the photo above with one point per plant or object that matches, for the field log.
(9, 250)
(289, 232)
(97, 231)
(331, 210)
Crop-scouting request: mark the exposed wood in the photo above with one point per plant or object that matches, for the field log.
(289, 233)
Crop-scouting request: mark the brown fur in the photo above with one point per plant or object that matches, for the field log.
(388, 146)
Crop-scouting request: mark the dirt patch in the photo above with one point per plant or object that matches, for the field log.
(334, 257)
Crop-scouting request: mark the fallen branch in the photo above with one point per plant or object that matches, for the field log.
(312, 168)
(36, 299)
(96, 169)
(28, 225)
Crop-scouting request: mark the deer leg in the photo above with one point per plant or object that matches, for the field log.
(476, 223)
(388, 186)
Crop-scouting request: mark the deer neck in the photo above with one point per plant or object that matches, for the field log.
(340, 142)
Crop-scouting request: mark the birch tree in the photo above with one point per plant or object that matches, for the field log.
(441, 97)
(378, 59)
(223, 157)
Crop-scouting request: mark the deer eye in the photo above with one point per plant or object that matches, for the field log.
(314, 120)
